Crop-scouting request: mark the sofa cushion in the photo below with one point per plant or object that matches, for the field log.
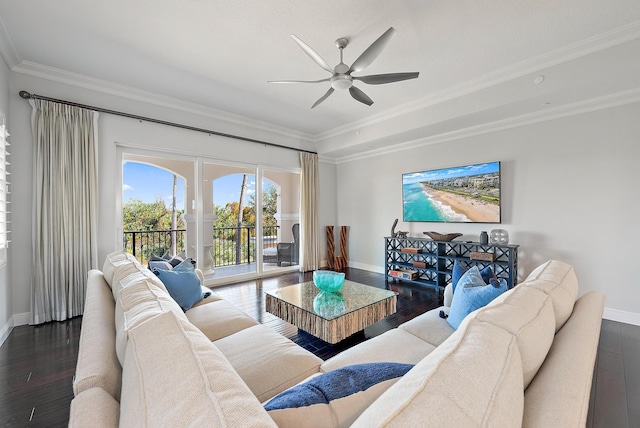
(472, 293)
(558, 280)
(473, 379)
(336, 398)
(268, 362)
(394, 345)
(459, 270)
(94, 407)
(526, 313)
(210, 296)
(98, 364)
(429, 327)
(219, 319)
(139, 302)
(167, 354)
(112, 262)
(130, 274)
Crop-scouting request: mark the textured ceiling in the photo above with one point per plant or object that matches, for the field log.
(220, 54)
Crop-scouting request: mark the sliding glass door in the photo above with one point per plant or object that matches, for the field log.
(235, 220)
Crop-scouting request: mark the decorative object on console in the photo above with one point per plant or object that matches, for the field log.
(484, 238)
(404, 273)
(327, 280)
(412, 250)
(397, 234)
(479, 255)
(442, 237)
(499, 237)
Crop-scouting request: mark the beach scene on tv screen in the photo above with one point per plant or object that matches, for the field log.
(468, 193)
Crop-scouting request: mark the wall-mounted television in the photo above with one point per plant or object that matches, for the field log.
(462, 194)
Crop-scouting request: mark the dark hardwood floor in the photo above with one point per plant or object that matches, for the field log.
(37, 363)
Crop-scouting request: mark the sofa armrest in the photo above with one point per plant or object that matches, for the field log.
(200, 275)
(559, 394)
(448, 295)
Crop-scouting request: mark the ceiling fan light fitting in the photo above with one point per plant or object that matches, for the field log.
(341, 81)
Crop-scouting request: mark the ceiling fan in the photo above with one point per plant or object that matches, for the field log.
(341, 77)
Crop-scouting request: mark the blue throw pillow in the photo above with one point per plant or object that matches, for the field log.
(473, 293)
(459, 270)
(183, 284)
(337, 397)
(159, 264)
(178, 258)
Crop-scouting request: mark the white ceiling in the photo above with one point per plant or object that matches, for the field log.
(477, 59)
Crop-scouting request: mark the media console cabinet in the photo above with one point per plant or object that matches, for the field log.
(423, 261)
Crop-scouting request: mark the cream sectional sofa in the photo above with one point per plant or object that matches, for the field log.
(526, 359)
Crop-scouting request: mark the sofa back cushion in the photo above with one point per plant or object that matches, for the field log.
(130, 274)
(112, 262)
(473, 379)
(174, 376)
(139, 302)
(559, 281)
(528, 314)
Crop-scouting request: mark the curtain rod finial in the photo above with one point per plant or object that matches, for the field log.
(24, 94)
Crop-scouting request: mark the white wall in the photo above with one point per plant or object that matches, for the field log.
(570, 192)
(118, 130)
(569, 187)
(5, 290)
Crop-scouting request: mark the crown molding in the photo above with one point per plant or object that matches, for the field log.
(582, 48)
(7, 49)
(585, 106)
(82, 81)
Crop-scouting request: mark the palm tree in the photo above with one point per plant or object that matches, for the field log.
(239, 223)
(174, 217)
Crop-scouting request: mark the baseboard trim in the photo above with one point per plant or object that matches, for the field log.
(6, 331)
(363, 266)
(621, 316)
(21, 319)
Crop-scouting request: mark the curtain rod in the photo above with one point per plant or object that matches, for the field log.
(26, 95)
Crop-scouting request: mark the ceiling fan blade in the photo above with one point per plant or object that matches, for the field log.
(378, 79)
(324, 97)
(360, 96)
(372, 52)
(313, 54)
(299, 81)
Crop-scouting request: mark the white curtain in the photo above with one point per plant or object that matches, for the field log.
(64, 217)
(309, 211)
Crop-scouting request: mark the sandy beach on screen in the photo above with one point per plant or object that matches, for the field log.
(473, 209)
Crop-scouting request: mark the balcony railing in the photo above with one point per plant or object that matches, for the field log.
(146, 243)
(231, 245)
(236, 245)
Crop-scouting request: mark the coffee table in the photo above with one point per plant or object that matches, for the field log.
(331, 316)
